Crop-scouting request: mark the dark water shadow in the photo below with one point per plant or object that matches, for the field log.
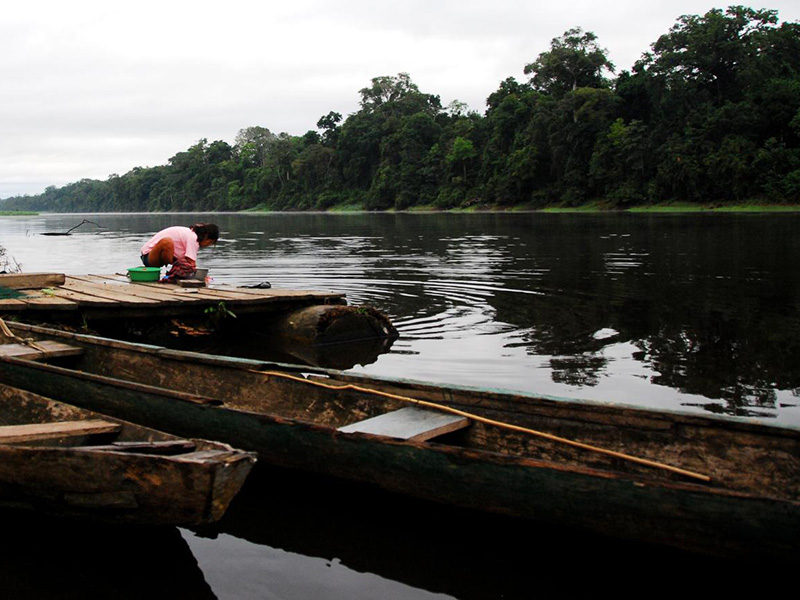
(71, 560)
(440, 549)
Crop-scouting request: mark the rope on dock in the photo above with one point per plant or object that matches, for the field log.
(501, 424)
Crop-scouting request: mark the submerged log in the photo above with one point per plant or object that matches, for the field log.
(341, 356)
(327, 324)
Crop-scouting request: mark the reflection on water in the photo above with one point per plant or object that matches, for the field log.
(332, 539)
(703, 307)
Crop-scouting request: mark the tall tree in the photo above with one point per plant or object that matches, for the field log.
(574, 60)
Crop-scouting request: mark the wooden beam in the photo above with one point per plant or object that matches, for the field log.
(37, 300)
(83, 299)
(233, 295)
(164, 448)
(410, 423)
(106, 292)
(226, 291)
(31, 281)
(11, 434)
(7, 304)
(49, 349)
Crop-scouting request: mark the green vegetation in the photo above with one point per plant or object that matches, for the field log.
(17, 213)
(710, 117)
(685, 207)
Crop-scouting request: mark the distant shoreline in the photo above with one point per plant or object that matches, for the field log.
(590, 208)
(594, 207)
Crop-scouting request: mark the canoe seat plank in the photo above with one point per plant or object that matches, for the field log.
(50, 349)
(205, 455)
(410, 423)
(164, 448)
(10, 434)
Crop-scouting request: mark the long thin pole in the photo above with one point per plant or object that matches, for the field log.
(474, 417)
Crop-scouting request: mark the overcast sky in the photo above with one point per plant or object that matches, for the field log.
(91, 88)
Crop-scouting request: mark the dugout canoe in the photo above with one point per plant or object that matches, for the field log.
(65, 461)
(718, 485)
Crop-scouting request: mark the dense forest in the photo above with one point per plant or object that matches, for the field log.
(710, 115)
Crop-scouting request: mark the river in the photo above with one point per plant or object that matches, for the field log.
(683, 312)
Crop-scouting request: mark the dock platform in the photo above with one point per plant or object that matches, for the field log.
(115, 296)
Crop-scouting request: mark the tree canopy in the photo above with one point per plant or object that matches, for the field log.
(710, 114)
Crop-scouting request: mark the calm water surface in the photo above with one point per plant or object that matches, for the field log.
(692, 312)
(684, 312)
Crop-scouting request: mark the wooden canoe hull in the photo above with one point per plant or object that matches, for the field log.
(693, 516)
(116, 486)
(681, 515)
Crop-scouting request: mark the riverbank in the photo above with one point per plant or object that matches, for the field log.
(684, 207)
(590, 207)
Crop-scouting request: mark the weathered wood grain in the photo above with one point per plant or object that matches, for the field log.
(83, 299)
(44, 349)
(28, 281)
(410, 423)
(14, 434)
(138, 479)
(106, 292)
(147, 447)
(45, 299)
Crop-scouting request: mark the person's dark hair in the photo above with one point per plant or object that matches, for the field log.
(205, 231)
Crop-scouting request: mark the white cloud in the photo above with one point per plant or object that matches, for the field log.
(93, 88)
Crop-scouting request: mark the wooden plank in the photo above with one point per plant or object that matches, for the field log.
(222, 291)
(410, 423)
(36, 299)
(118, 277)
(206, 455)
(151, 291)
(163, 448)
(172, 292)
(81, 298)
(51, 349)
(11, 434)
(206, 293)
(31, 281)
(104, 292)
(232, 297)
(269, 294)
(277, 292)
(141, 295)
(218, 290)
(7, 304)
(281, 294)
(160, 292)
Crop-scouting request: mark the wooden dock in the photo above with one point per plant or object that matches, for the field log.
(115, 296)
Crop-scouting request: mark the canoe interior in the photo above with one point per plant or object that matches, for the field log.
(18, 407)
(741, 457)
(66, 461)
